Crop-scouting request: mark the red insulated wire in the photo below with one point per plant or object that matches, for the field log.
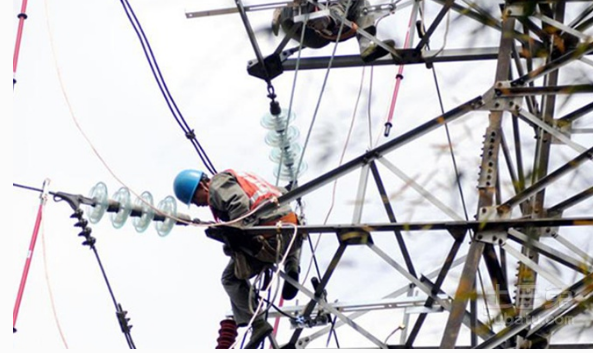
(277, 321)
(19, 35)
(398, 79)
(19, 297)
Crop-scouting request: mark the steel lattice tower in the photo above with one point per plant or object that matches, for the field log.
(540, 48)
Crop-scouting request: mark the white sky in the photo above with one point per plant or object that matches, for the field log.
(171, 285)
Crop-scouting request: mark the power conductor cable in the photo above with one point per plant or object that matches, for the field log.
(189, 133)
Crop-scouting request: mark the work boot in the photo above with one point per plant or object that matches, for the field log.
(276, 21)
(292, 269)
(374, 51)
(260, 330)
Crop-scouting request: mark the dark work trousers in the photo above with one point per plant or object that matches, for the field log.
(238, 289)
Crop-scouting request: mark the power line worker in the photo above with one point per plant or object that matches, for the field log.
(320, 31)
(231, 195)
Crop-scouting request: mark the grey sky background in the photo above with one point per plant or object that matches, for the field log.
(81, 64)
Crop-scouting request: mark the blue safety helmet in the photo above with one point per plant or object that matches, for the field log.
(186, 183)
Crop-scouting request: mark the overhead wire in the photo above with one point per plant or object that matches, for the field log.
(91, 144)
(189, 133)
(291, 100)
(325, 79)
(334, 187)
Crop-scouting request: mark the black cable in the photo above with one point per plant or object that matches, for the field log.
(90, 242)
(457, 178)
(450, 146)
(333, 330)
(163, 86)
(189, 133)
(118, 308)
(281, 312)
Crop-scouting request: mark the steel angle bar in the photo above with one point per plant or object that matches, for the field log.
(586, 61)
(518, 152)
(423, 192)
(392, 6)
(317, 296)
(546, 180)
(570, 246)
(536, 30)
(579, 113)
(551, 130)
(485, 196)
(476, 13)
(482, 16)
(499, 281)
(509, 162)
(581, 196)
(531, 102)
(555, 325)
(574, 23)
(251, 35)
(534, 266)
(585, 24)
(428, 289)
(437, 286)
(577, 290)
(391, 215)
(367, 305)
(450, 226)
(401, 291)
(437, 21)
(360, 194)
(548, 251)
(575, 54)
(562, 27)
(561, 313)
(406, 57)
(582, 131)
(318, 301)
(549, 90)
(246, 8)
(406, 320)
(552, 346)
(375, 153)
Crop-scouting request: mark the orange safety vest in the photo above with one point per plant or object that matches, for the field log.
(256, 188)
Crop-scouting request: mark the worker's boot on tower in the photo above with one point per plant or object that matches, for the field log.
(292, 269)
(261, 330)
